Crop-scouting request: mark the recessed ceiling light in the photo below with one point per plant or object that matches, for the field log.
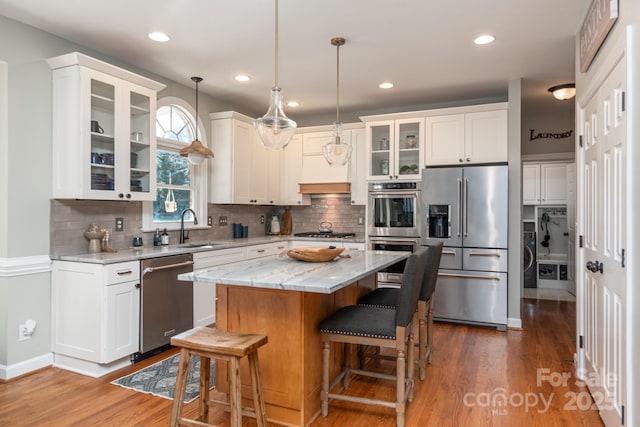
(293, 104)
(159, 37)
(242, 78)
(385, 85)
(484, 39)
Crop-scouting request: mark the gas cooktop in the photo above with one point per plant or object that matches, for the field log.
(325, 235)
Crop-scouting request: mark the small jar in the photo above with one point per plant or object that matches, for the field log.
(384, 143)
(384, 167)
(410, 142)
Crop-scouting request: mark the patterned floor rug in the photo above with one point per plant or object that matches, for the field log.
(159, 379)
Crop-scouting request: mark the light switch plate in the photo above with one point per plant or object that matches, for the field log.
(119, 224)
(209, 220)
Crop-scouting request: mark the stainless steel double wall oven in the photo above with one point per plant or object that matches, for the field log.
(394, 223)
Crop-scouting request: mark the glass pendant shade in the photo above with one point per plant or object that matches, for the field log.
(275, 129)
(337, 152)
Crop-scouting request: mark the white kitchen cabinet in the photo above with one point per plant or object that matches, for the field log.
(315, 168)
(358, 172)
(204, 293)
(95, 314)
(394, 148)
(265, 249)
(242, 171)
(531, 184)
(544, 183)
(104, 144)
(291, 174)
(461, 136)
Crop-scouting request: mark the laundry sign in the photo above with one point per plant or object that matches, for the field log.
(533, 135)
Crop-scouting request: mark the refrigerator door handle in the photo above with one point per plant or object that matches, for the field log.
(459, 205)
(464, 206)
(469, 276)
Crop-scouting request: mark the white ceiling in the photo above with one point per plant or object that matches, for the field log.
(423, 46)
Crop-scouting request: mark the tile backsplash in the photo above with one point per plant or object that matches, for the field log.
(71, 218)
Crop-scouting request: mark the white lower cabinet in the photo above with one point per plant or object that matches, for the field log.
(265, 249)
(95, 315)
(204, 293)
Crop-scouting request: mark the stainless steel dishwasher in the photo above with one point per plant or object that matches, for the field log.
(166, 303)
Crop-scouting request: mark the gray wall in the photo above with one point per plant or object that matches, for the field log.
(548, 123)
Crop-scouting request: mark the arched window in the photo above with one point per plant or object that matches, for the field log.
(179, 184)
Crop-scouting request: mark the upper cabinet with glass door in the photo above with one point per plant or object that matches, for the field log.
(394, 148)
(103, 131)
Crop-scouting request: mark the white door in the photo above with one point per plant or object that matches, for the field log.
(603, 201)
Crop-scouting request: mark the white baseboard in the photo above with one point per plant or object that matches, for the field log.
(514, 323)
(26, 366)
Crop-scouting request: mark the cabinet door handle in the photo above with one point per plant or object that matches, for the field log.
(260, 251)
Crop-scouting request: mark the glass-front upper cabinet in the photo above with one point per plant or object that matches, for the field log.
(104, 144)
(394, 149)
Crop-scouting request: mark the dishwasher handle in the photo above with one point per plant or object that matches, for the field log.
(165, 267)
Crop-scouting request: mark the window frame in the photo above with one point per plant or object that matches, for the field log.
(198, 178)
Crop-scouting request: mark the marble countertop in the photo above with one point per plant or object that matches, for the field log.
(282, 272)
(145, 252)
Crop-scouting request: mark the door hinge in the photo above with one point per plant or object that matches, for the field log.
(622, 414)
(622, 260)
(580, 140)
(581, 341)
(622, 100)
(580, 242)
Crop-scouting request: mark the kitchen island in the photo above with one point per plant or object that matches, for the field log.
(286, 300)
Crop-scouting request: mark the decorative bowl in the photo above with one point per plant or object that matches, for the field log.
(315, 254)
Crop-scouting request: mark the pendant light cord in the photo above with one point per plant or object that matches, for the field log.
(196, 80)
(338, 83)
(276, 62)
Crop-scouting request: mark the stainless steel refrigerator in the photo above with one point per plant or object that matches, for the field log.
(467, 210)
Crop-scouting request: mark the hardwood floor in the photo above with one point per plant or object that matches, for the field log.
(472, 367)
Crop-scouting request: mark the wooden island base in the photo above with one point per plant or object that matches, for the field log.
(291, 361)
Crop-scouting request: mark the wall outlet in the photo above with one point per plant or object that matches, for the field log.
(360, 220)
(209, 220)
(23, 332)
(119, 224)
(261, 219)
(222, 220)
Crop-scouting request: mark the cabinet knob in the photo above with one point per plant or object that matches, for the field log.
(128, 196)
(121, 195)
(461, 161)
(468, 159)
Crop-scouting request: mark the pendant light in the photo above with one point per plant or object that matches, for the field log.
(275, 129)
(196, 152)
(337, 152)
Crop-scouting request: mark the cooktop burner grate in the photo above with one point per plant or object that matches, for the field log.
(325, 235)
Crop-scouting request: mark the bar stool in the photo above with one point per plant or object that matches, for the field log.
(386, 297)
(211, 343)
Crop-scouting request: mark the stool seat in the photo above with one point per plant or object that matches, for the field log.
(220, 342)
(211, 343)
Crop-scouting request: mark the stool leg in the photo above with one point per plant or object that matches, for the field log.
(235, 396)
(430, 330)
(258, 400)
(422, 338)
(181, 386)
(205, 381)
(324, 393)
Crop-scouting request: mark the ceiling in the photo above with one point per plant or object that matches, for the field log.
(423, 46)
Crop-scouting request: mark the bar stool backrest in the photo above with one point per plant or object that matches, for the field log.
(431, 270)
(412, 276)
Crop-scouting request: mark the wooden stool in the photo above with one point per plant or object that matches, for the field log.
(211, 343)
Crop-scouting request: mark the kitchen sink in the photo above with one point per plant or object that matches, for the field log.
(199, 245)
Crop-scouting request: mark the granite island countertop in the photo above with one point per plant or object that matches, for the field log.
(284, 273)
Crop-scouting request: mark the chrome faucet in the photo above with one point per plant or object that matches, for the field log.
(195, 222)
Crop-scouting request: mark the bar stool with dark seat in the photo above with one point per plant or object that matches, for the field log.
(211, 343)
(382, 327)
(387, 297)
